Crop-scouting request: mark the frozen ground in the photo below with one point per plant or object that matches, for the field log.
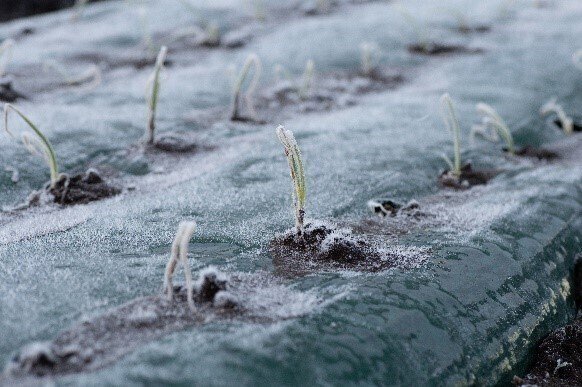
(489, 266)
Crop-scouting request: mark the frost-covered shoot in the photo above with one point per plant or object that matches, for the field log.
(5, 54)
(179, 253)
(153, 91)
(39, 144)
(492, 119)
(212, 34)
(297, 175)
(252, 61)
(452, 123)
(552, 106)
(307, 81)
(368, 53)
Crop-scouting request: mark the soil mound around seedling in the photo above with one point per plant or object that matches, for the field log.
(175, 143)
(323, 246)
(329, 91)
(7, 93)
(536, 153)
(97, 342)
(138, 61)
(435, 49)
(81, 189)
(467, 179)
(480, 29)
(389, 207)
(78, 189)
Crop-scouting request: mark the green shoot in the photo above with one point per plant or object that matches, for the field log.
(450, 119)
(307, 79)
(179, 253)
(368, 57)
(577, 58)
(153, 91)
(553, 107)
(491, 118)
(297, 175)
(5, 54)
(42, 145)
(252, 61)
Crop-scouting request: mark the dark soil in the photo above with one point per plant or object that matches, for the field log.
(12, 9)
(577, 126)
(442, 49)
(324, 247)
(477, 29)
(558, 358)
(381, 80)
(577, 282)
(247, 119)
(174, 143)
(82, 188)
(113, 62)
(7, 93)
(468, 177)
(91, 345)
(538, 153)
(388, 207)
(561, 347)
(328, 91)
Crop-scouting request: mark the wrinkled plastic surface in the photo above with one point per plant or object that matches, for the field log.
(494, 282)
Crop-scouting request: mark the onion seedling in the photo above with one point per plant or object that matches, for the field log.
(179, 253)
(251, 61)
(5, 54)
(307, 82)
(368, 57)
(450, 119)
(153, 91)
(37, 145)
(212, 35)
(297, 175)
(553, 107)
(494, 120)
